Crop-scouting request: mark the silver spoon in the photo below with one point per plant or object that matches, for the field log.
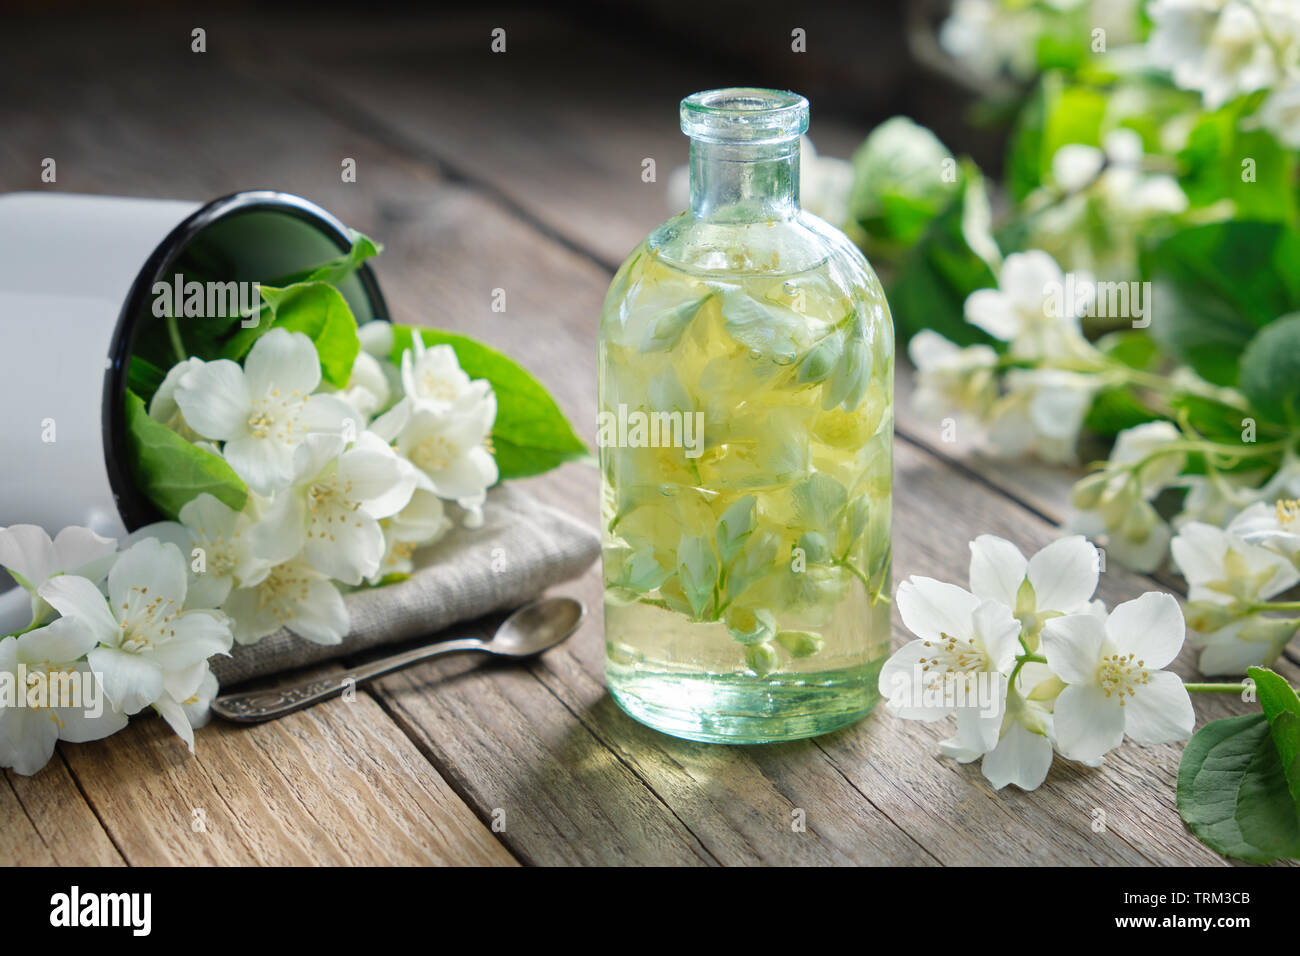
(530, 630)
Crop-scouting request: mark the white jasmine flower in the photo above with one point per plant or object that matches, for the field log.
(51, 657)
(990, 37)
(376, 337)
(293, 595)
(335, 503)
(1024, 309)
(163, 407)
(148, 643)
(1256, 640)
(1060, 579)
(186, 700)
(950, 379)
(421, 523)
(1042, 413)
(959, 663)
(433, 379)
(1275, 526)
(450, 448)
(824, 184)
(224, 548)
(1280, 113)
(1116, 503)
(1024, 750)
(1216, 498)
(1222, 568)
(1228, 577)
(31, 557)
(368, 389)
(1114, 677)
(263, 411)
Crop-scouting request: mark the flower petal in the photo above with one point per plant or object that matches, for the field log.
(991, 311)
(1021, 757)
(149, 569)
(1160, 712)
(1072, 645)
(1088, 724)
(59, 642)
(82, 551)
(931, 608)
(78, 598)
(998, 630)
(322, 616)
(131, 682)
(197, 636)
(215, 401)
(264, 463)
(997, 569)
(1064, 574)
(28, 553)
(1150, 627)
(283, 360)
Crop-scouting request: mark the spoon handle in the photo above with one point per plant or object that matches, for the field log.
(256, 706)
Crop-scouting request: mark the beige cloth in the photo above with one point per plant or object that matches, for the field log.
(459, 578)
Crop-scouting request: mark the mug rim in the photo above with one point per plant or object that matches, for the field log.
(135, 509)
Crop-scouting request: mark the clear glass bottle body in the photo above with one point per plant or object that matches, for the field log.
(746, 431)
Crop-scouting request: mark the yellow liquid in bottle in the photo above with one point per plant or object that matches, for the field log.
(746, 433)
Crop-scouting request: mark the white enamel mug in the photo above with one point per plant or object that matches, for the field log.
(75, 274)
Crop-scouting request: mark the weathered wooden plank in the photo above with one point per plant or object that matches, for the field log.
(336, 784)
(47, 821)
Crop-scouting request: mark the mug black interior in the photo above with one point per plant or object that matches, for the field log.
(245, 237)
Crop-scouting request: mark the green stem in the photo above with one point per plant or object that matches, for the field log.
(1275, 606)
(1198, 688)
(174, 335)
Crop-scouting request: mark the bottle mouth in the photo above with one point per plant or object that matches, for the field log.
(744, 114)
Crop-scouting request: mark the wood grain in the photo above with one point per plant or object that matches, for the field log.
(475, 183)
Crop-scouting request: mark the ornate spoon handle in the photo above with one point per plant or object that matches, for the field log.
(255, 706)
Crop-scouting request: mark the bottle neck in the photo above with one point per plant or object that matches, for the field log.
(744, 182)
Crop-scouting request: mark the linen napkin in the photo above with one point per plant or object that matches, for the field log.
(522, 548)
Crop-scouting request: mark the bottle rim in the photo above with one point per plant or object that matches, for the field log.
(744, 114)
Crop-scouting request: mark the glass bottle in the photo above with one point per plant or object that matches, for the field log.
(745, 433)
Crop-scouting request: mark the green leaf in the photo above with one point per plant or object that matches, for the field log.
(172, 471)
(818, 501)
(822, 359)
(1232, 791)
(1057, 114)
(1270, 370)
(1281, 706)
(772, 330)
(800, 643)
(852, 374)
(1222, 161)
(939, 272)
(144, 377)
(320, 312)
(697, 571)
(663, 333)
(642, 572)
(1115, 409)
(335, 270)
(898, 186)
(734, 528)
(1216, 286)
(531, 434)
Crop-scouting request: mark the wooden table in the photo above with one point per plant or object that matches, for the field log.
(519, 172)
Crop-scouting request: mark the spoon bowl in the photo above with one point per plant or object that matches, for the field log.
(536, 627)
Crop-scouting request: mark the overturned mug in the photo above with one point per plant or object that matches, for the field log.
(77, 275)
